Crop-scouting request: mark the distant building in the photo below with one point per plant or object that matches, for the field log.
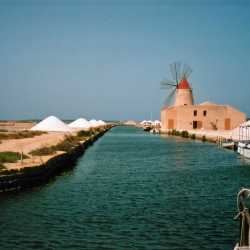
(184, 115)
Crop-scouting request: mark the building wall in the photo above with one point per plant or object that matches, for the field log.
(187, 116)
(239, 117)
(168, 113)
(184, 97)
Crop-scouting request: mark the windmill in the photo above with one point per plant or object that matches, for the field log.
(178, 77)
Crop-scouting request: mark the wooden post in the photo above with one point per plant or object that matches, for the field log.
(245, 222)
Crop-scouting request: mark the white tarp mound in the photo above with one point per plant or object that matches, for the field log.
(243, 131)
(95, 123)
(80, 123)
(52, 123)
(101, 122)
(143, 122)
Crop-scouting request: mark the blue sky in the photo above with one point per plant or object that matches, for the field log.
(105, 59)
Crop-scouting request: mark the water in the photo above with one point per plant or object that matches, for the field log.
(132, 190)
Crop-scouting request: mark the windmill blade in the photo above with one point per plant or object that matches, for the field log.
(169, 98)
(167, 84)
(175, 69)
(186, 71)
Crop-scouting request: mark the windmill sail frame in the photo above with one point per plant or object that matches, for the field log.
(177, 76)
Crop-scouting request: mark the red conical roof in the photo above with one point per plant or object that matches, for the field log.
(184, 84)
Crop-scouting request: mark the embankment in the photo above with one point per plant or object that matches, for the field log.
(16, 179)
(215, 136)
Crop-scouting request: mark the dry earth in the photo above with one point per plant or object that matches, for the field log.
(27, 144)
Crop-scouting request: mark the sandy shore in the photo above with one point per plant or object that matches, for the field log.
(27, 144)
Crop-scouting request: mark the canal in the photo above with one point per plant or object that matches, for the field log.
(132, 190)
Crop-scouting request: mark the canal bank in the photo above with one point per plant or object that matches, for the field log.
(30, 173)
(216, 136)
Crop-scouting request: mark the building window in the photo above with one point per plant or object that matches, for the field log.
(204, 112)
(195, 112)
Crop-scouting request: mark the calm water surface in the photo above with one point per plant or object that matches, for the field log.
(132, 190)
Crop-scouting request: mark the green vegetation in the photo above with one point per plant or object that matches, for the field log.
(2, 166)
(21, 134)
(83, 133)
(174, 132)
(192, 136)
(3, 136)
(43, 150)
(184, 134)
(12, 157)
(67, 143)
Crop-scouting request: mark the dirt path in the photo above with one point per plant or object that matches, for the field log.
(28, 144)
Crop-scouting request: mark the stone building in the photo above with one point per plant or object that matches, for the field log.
(184, 115)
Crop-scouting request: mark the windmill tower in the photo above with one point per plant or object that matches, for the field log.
(182, 90)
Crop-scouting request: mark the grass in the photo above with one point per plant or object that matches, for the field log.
(11, 157)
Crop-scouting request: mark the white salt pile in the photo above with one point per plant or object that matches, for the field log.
(101, 122)
(95, 123)
(52, 123)
(80, 123)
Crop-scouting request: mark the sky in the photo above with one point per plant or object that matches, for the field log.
(104, 59)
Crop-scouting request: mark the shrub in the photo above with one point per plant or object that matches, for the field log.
(12, 157)
(175, 132)
(184, 134)
(85, 133)
(3, 136)
(21, 134)
(43, 150)
(64, 145)
(192, 136)
(2, 166)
